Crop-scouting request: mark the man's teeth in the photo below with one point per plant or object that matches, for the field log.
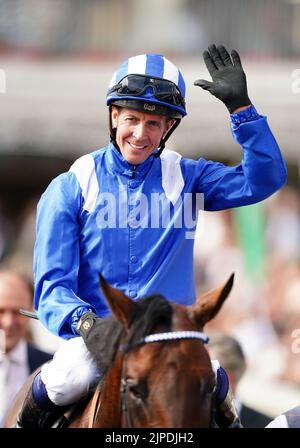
(136, 146)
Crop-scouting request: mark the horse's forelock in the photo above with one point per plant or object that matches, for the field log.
(107, 343)
(150, 312)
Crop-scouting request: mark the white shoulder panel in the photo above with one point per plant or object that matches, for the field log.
(172, 179)
(84, 170)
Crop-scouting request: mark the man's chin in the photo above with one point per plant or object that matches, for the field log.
(135, 159)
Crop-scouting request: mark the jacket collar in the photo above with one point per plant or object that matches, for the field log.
(117, 164)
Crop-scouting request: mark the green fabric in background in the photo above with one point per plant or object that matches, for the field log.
(250, 230)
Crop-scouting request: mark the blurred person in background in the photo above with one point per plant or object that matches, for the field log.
(227, 350)
(83, 230)
(18, 357)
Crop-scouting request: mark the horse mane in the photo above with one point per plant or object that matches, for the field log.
(150, 311)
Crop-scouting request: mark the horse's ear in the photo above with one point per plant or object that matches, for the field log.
(209, 304)
(121, 306)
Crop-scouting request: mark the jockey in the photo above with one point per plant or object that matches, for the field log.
(129, 212)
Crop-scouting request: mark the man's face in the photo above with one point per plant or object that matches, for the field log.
(14, 294)
(138, 133)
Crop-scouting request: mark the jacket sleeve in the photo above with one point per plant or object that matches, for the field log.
(57, 255)
(261, 172)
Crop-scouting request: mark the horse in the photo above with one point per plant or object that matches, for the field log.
(156, 371)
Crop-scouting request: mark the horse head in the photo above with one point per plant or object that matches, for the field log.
(158, 371)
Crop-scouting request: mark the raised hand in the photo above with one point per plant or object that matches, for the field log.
(229, 80)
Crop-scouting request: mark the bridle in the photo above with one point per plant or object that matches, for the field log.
(157, 337)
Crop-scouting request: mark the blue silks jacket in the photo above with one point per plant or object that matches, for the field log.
(135, 225)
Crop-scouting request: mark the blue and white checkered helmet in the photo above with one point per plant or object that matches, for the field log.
(151, 66)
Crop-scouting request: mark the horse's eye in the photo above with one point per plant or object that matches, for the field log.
(136, 389)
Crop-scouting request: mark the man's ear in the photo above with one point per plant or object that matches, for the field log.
(114, 116)
(169, 125)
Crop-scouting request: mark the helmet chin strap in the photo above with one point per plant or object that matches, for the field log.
(161, 147)
(112, 131)
(166, 137)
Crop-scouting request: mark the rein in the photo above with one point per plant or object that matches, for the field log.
(157, 337)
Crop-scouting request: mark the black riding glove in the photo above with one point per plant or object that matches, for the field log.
(86, 323)
(229, 79)
(90, 327)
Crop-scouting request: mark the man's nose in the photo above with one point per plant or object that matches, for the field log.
(139, 131)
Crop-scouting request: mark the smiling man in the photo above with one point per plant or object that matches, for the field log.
(143, 252)
(138, 133)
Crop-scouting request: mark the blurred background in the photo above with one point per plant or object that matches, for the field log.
(58, 57)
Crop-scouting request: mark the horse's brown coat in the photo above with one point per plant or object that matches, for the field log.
(171, 382)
